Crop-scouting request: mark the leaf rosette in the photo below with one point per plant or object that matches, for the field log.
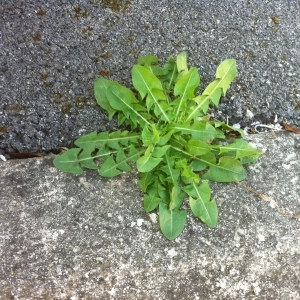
(176, 148)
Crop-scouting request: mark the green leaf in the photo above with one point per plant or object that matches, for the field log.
(123, 99)
(171, 222)
(225, 74)
(227, 170)
(187, 173)
(197, 147)
(241, 148)
(144, 81)
(86, 159)
(151, 199)
(199, 131)
(145, 180)
(169, 170)
(185, 87)
(109, 168)
(89, 140)
(160, 151)
(199, 164)
(150, 136)
(100, 87)
(147, 60)
(113, 140)
(68, 161)
(156, 70)
(165, 138)
(148, 84)
(182, 62)
(213, 92)
(225, 127)
(115, 166)
(163, 193)
(168, 79)
(146, 163)
(201, 205)
(120, 138)
(177, 197)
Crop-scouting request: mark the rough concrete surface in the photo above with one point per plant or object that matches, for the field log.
(52, 52)
(84, 237)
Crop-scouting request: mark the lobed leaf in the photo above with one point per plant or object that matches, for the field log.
(185, 87)
(176, 197)
(197, 147)
(201, 205)
(145, 180)
(123, 99)
(171, 222)
(227, 170)
(147, 60)
(198, 130)
(147, 162)
(151, 199)
(116, 164)
(181, 62)
(168, 79)
(100, 87)
(225, 74)
(241, 149)
(114, 140)
(74, 159)
(148, 84)
(150, 136)
(169, 169)
(86, 158)
(68, 161)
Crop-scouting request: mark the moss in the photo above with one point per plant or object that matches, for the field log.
(81, 101)
(3, 129)
(66, 108)
(36, 37)
(16, 107)
(132, 37)
(87, 31)
(44, 77)
(104, 73)
(266, 45)
(46, 83)
(58, 98)
(80, 13)
(105, 55)
(66, 104)
(178, 46)
(116, 5)
(275, 20)
(40, 11)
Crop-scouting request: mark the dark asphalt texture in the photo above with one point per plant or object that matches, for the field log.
(52, 52)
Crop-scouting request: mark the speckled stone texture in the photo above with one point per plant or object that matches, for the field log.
(52, 52)
(85, 237)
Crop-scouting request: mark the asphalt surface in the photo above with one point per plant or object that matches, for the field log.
(52, 52)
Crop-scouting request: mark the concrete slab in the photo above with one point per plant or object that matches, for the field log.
(85, 237)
